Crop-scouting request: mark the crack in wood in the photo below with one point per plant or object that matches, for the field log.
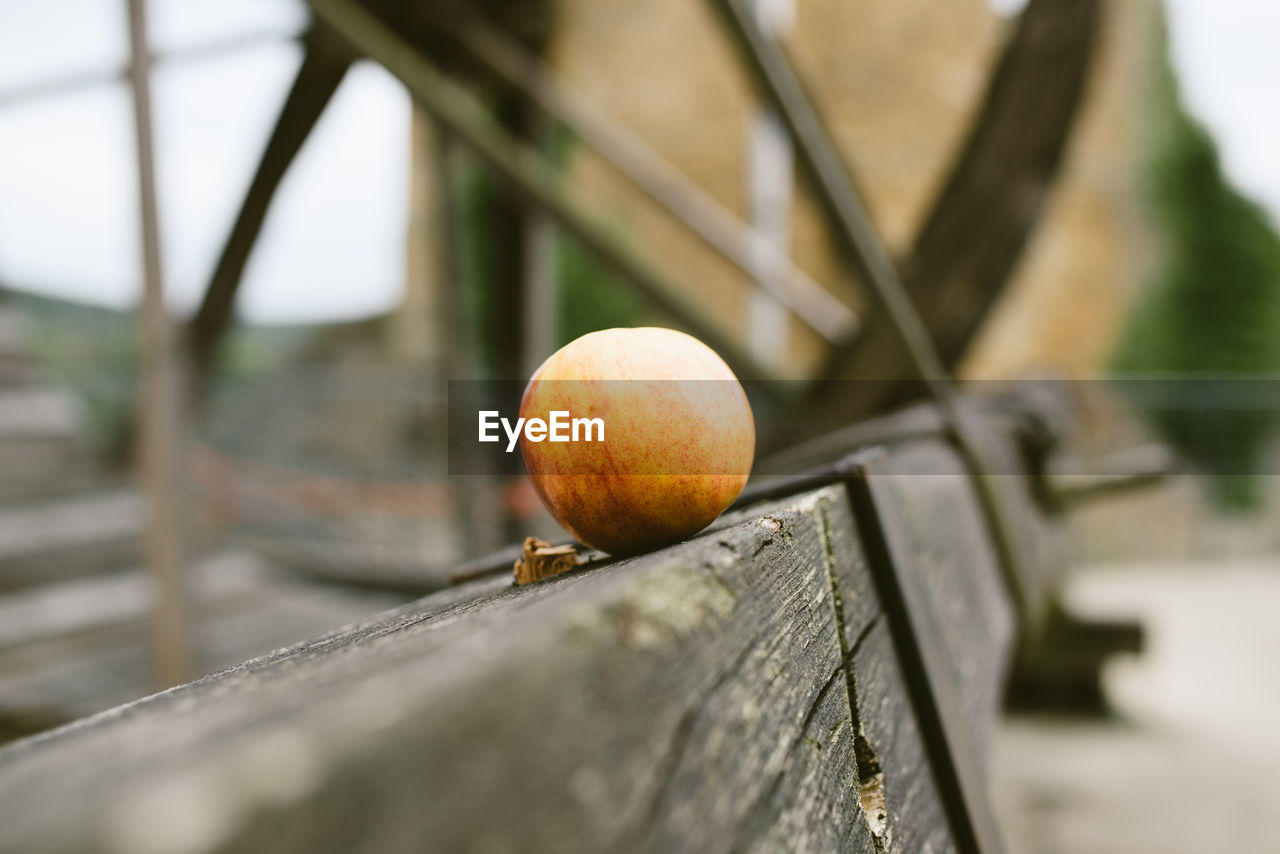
(815, 705)
(837, 606)
(862, 636)
(682, 735)
(846, 665)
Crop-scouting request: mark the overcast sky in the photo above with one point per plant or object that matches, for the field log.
(333, 243)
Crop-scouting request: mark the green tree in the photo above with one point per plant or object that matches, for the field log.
(1212, 309)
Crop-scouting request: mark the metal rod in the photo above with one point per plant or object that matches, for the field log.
(528, 172)
(653, 175)
(159, 397)
(779, 82)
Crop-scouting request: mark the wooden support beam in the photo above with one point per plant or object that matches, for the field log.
(780, 83)
(541, 275)
(529, 173)
(781, 86)
(649, 172)
(215, 48)
(160, 396)
(977, 227)
(420, 329)
(325, 62)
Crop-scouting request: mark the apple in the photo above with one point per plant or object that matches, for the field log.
(675, 447)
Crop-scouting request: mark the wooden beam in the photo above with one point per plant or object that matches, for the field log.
(676, 702)
(982, 219)
(649, 172)
(214, 48)
(739, 691)
(160, 396)
(529, 173)
(779, 82)
(325, 62)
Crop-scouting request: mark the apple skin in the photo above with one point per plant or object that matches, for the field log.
(679, 438)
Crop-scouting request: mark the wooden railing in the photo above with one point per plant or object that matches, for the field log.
(750, 689)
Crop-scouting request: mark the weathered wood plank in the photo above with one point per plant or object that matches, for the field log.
(92, 606)
(63, 538)
(915, 822)
(951, 549)
(741, 691)
(78, 648)
(950, 541)
(894, 773)
(43, 412)
(690, 700)
(41, 434)
(1037, 532)
(1036, 535)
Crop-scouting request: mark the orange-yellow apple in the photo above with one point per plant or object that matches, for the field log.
(636, 438)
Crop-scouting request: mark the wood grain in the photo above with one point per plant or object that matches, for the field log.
(737, 692)
(690, 700)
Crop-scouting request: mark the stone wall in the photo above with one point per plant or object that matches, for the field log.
(897, 80)
(1086, 261)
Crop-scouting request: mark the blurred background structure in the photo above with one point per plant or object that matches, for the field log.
(1073, 190)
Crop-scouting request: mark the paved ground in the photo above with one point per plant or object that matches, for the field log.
(1191, 763)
